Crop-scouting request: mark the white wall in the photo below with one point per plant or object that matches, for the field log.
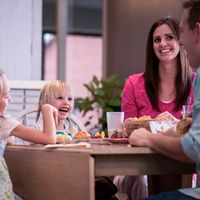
(20, 38)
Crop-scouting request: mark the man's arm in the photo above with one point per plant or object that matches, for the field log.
(165, 144)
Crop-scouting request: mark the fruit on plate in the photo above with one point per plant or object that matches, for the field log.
(82, 135)
(62, 138)
(99, 135)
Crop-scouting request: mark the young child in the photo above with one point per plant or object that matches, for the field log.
(58, 94)
(9, 126)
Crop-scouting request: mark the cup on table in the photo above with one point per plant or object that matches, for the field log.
(115, 122)
(186, 110)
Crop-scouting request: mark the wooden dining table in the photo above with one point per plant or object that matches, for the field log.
(67, 173)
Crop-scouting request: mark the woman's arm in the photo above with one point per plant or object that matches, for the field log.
(48, 136)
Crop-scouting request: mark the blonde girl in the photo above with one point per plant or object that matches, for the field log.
(58, 94)
(11, 127)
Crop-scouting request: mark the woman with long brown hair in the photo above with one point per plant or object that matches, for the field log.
(164, 87)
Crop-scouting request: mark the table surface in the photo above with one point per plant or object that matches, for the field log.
(63, 171)
(94, 149)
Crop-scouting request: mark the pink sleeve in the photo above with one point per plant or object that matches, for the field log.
(129, 106)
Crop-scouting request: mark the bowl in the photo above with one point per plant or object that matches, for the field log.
(131, 125)
(162, 126)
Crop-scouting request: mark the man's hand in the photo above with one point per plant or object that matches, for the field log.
(141, 138)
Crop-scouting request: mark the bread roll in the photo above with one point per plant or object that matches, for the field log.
(82, 135)
(134, 123)
(184, 125)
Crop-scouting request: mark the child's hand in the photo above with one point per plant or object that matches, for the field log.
(52, 110)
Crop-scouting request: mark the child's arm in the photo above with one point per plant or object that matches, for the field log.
(48, 136)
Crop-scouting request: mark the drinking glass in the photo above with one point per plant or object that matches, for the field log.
(186, 110)
(115, 122)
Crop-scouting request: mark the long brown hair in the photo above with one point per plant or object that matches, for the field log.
(151, 75)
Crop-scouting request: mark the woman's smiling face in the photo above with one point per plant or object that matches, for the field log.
(165, 43)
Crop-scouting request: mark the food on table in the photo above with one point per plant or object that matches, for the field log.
(184, 125)
(142, 118)
(82, 135)
(135, 123)
(119, 134)
(62, 138)
(162, 126)
(99, 135)
(162, 118)
(137, 119)
(143, 122)
(103, 134)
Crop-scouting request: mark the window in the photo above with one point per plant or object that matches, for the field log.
(83, 60)
(83, 45)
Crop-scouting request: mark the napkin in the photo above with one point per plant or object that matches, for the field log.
(80, 144)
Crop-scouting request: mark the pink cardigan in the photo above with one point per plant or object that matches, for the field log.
(135, 102)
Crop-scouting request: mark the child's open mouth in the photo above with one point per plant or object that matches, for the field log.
(64, 109)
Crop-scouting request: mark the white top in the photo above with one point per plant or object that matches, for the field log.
(7, 124)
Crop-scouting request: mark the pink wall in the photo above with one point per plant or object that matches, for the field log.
(83, 60)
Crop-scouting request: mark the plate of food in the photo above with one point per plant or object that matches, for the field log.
(97, 141)
(158, 124)
(162, 126)
(67, 145)
(117, 140)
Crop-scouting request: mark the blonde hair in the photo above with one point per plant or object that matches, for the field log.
(1, 81)
(2, 73)
(52, 90)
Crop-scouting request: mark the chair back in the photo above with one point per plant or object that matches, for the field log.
(28, 118)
